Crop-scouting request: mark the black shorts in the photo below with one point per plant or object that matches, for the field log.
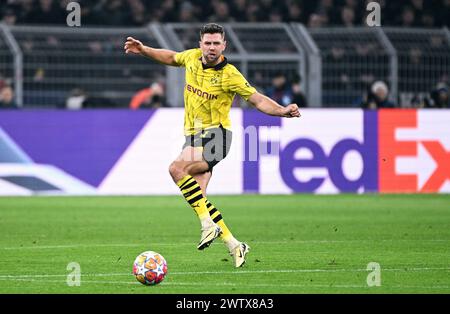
(216, 143)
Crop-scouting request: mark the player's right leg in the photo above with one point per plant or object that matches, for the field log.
(238, 250)
(227, 237)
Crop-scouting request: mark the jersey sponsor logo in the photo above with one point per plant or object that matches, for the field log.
(200, 93)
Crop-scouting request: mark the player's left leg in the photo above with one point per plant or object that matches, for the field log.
(226, 235)
(193, 186)
(203, 180)
(192, 172)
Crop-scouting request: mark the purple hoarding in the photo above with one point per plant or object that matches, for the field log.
(86, 144)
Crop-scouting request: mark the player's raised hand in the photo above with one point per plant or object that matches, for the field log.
(292, 111)
(133, 46)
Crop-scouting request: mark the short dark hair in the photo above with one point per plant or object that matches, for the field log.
(212, 28)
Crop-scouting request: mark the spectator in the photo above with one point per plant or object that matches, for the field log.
(377, 97)
(352, 4)
(347, 17)
(169, 12)
(76, 99)
(238, 10)
(7, 98)
(408, 17)
(280, 91)
(275, 16)
(325, 7)
(39, 75)
(151, 97)
(297, 95)
(295, 13)
(187, 14)
(439, 97)
(266, 7)
(137, 13)
(338, 53)
(9, 17)
(317, 20)
(258, 81)
(253, 12)
(221, 12)
(428, 20)
(415, 55)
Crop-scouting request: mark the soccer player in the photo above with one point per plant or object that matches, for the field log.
(211, 85)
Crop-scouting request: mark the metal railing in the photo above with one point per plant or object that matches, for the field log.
(423, 57)
(11, 62)
(352, 58)
(44, 64)
(57, 60)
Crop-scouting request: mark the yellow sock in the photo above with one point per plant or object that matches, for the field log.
(226, 234)
(193, 194)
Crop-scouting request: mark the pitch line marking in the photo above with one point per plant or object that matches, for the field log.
(70, 246)
(5, 277)
(235, 285)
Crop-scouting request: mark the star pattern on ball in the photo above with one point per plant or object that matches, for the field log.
(159, 269)
(141, 269)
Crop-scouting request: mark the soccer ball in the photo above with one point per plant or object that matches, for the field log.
(150, 268)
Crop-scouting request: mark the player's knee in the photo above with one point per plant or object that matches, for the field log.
(176, 170)
(173, 168)
(196, 168)
(190, 169)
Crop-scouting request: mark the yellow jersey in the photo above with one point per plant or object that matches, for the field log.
(209, 91)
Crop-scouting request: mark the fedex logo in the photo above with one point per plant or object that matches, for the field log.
(392, 161)
(392, 149)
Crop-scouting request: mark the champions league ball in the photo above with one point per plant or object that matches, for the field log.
(150, 268)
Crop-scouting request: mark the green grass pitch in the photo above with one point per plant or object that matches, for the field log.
(299, 244)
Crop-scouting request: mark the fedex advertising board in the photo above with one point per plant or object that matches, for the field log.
(129, 152)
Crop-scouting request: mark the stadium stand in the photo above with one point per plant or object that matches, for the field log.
(139, 12)
(337, 57)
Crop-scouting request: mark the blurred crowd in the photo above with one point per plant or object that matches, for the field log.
(378, 97)
(408, 13)
(282, 90)
(282, 87)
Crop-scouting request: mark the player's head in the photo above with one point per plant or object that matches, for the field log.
(212, 42)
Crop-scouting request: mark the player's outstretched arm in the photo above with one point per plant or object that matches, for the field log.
(270, 107)
(163, 56)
